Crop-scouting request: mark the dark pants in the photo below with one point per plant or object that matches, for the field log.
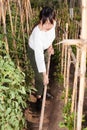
(38, 76)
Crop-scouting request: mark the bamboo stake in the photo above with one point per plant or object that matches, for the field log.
(83, 65)
(22, 25)
(10, 18)
(21, 18)
(15, 25)
(75, 80)
(65, 64)
(29, 8)
(75, 111)
(13, 33)
(66, 36)
(27, 20)
(4, 26)
(62, 59)
(67, 79)
(0, 13)
(66, 33)
(82, 87)
(74, 95)
(5, 7)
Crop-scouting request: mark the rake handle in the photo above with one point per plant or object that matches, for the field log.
(44, 97)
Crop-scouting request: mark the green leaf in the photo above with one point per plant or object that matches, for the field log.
(7, 111)
(1, 107)
(22, 90)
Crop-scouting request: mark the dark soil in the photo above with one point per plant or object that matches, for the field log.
(53, 111)
(53, 114)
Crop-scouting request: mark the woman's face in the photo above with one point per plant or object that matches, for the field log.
(47, 25)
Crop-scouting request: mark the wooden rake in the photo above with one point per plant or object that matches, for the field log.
(44, 97)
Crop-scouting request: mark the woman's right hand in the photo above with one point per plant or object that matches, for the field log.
(45, 79)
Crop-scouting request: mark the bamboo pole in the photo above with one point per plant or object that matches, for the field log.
(15, 25)
(13, 33)
(10, 17)
(22, 29)
(65, 65)
(66, 33)
(63, 47)
(67, 78)
(27, 20)
(62, 59)
(0, 13)
(82, 87)
(4, 26)
(82, 66)
(74, 95)
(21, 18)
(75, 80)
(29, 8)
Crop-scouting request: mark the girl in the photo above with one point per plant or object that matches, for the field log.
(40, 41)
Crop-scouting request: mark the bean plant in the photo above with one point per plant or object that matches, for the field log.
(13, 93)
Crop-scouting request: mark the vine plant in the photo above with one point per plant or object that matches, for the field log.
(13, 93)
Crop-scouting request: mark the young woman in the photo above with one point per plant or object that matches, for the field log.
(40, 42)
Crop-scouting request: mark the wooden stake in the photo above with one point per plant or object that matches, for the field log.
(62, 59)
(65, 65)
(22, 28)
(75, 80)
(74, 95)
(83, 65)
(15, 25)
(13, 34)
(82, 87)
(4, 26)
(26, 12)
(67, 78)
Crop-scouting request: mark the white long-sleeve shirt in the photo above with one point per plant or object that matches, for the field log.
(39, 41)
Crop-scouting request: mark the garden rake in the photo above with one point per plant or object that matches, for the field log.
(44, 97)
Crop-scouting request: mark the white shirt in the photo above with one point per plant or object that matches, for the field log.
(39, 41)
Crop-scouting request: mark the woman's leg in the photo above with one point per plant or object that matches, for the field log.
(38, 76)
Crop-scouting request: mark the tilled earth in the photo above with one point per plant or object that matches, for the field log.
(53, 111)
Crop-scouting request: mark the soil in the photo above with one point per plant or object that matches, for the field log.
(53, 114)
(53, 110)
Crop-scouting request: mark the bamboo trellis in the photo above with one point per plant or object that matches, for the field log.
(23, 13)
(79, 61)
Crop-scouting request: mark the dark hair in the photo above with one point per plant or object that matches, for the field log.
(47, 13)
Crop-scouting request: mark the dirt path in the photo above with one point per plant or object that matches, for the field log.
(53, 111)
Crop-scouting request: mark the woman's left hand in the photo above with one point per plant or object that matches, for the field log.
(51, 50)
